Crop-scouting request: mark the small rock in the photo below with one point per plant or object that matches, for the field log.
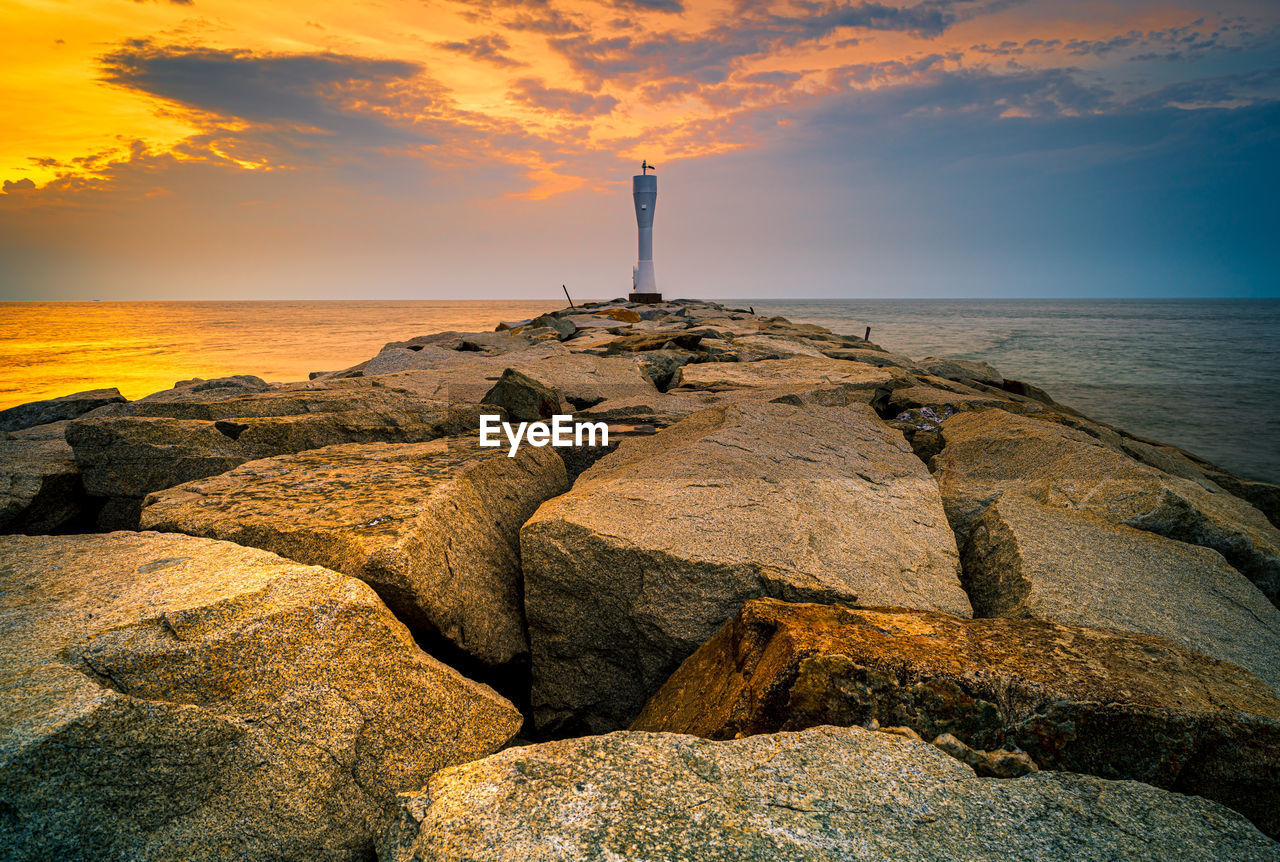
(523, 398)
(996, 764)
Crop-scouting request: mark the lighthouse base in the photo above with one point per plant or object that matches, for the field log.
(644, 297)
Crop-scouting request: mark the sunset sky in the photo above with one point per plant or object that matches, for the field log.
(249, 149)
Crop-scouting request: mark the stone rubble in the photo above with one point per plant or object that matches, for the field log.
(789, 528)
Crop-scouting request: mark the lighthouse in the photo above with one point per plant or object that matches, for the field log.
(644, 190)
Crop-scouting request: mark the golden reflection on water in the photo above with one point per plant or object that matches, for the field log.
(49, 349)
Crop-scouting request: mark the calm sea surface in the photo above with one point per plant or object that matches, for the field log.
(1198, 374)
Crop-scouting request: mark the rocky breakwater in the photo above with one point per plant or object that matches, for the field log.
(788, 528)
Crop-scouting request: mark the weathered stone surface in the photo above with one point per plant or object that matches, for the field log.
(961, 369)
(236, 382)
(1264, 496)
(57, 409)
(166, 697)
(623, 315)
(653, 341)
(1024, 559)
(123, 458)
(663, 540)
(433, 527)
(465, 377)
(824, 795)
(40, 488)
(939, 395)
(881, 358)
(1105, 702)
(774, 347)
(562, 327)
(241, 397)
(796, 371)
(597, 321)
(493, 343)
(992, 451)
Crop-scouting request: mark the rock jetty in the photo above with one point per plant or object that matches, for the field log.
(811, 600)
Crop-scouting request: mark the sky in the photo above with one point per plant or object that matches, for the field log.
(399, 149)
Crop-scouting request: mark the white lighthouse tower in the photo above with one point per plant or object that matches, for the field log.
(644, 189)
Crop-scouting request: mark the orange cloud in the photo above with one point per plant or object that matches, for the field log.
(551, 88)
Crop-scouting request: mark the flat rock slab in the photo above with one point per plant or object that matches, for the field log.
(169, 697)
(929, 394)
(990, 452)
(796, 371)
(881, 358)
(961, 369)
(40, 487)
(1025, 559)
(433, 527)
(824, 795)
(1079, 699)
(662, 541)
(465, 377)
(124, 458)
(772, 347)
(57, 409)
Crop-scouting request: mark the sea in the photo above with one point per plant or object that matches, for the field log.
(1200, 374)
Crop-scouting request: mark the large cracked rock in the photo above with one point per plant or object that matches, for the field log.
(40, 489)
(167, 697)
(124, 458)
(1025, 559)
(1080, 699)
(461, 376)
(663, 540)
(824, 795)
(990, 452)
(433, 527)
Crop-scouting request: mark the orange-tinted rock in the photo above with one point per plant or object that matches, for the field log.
(1103, 702)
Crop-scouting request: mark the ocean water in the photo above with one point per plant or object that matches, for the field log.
(1202, 375)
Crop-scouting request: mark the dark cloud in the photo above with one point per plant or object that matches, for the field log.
(1246, 88)
(23, 185)
(1171, 43)
(353, 98)
(551, 22)
(489, 48)
(534, 92)
(709, 57)
(651, 5)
